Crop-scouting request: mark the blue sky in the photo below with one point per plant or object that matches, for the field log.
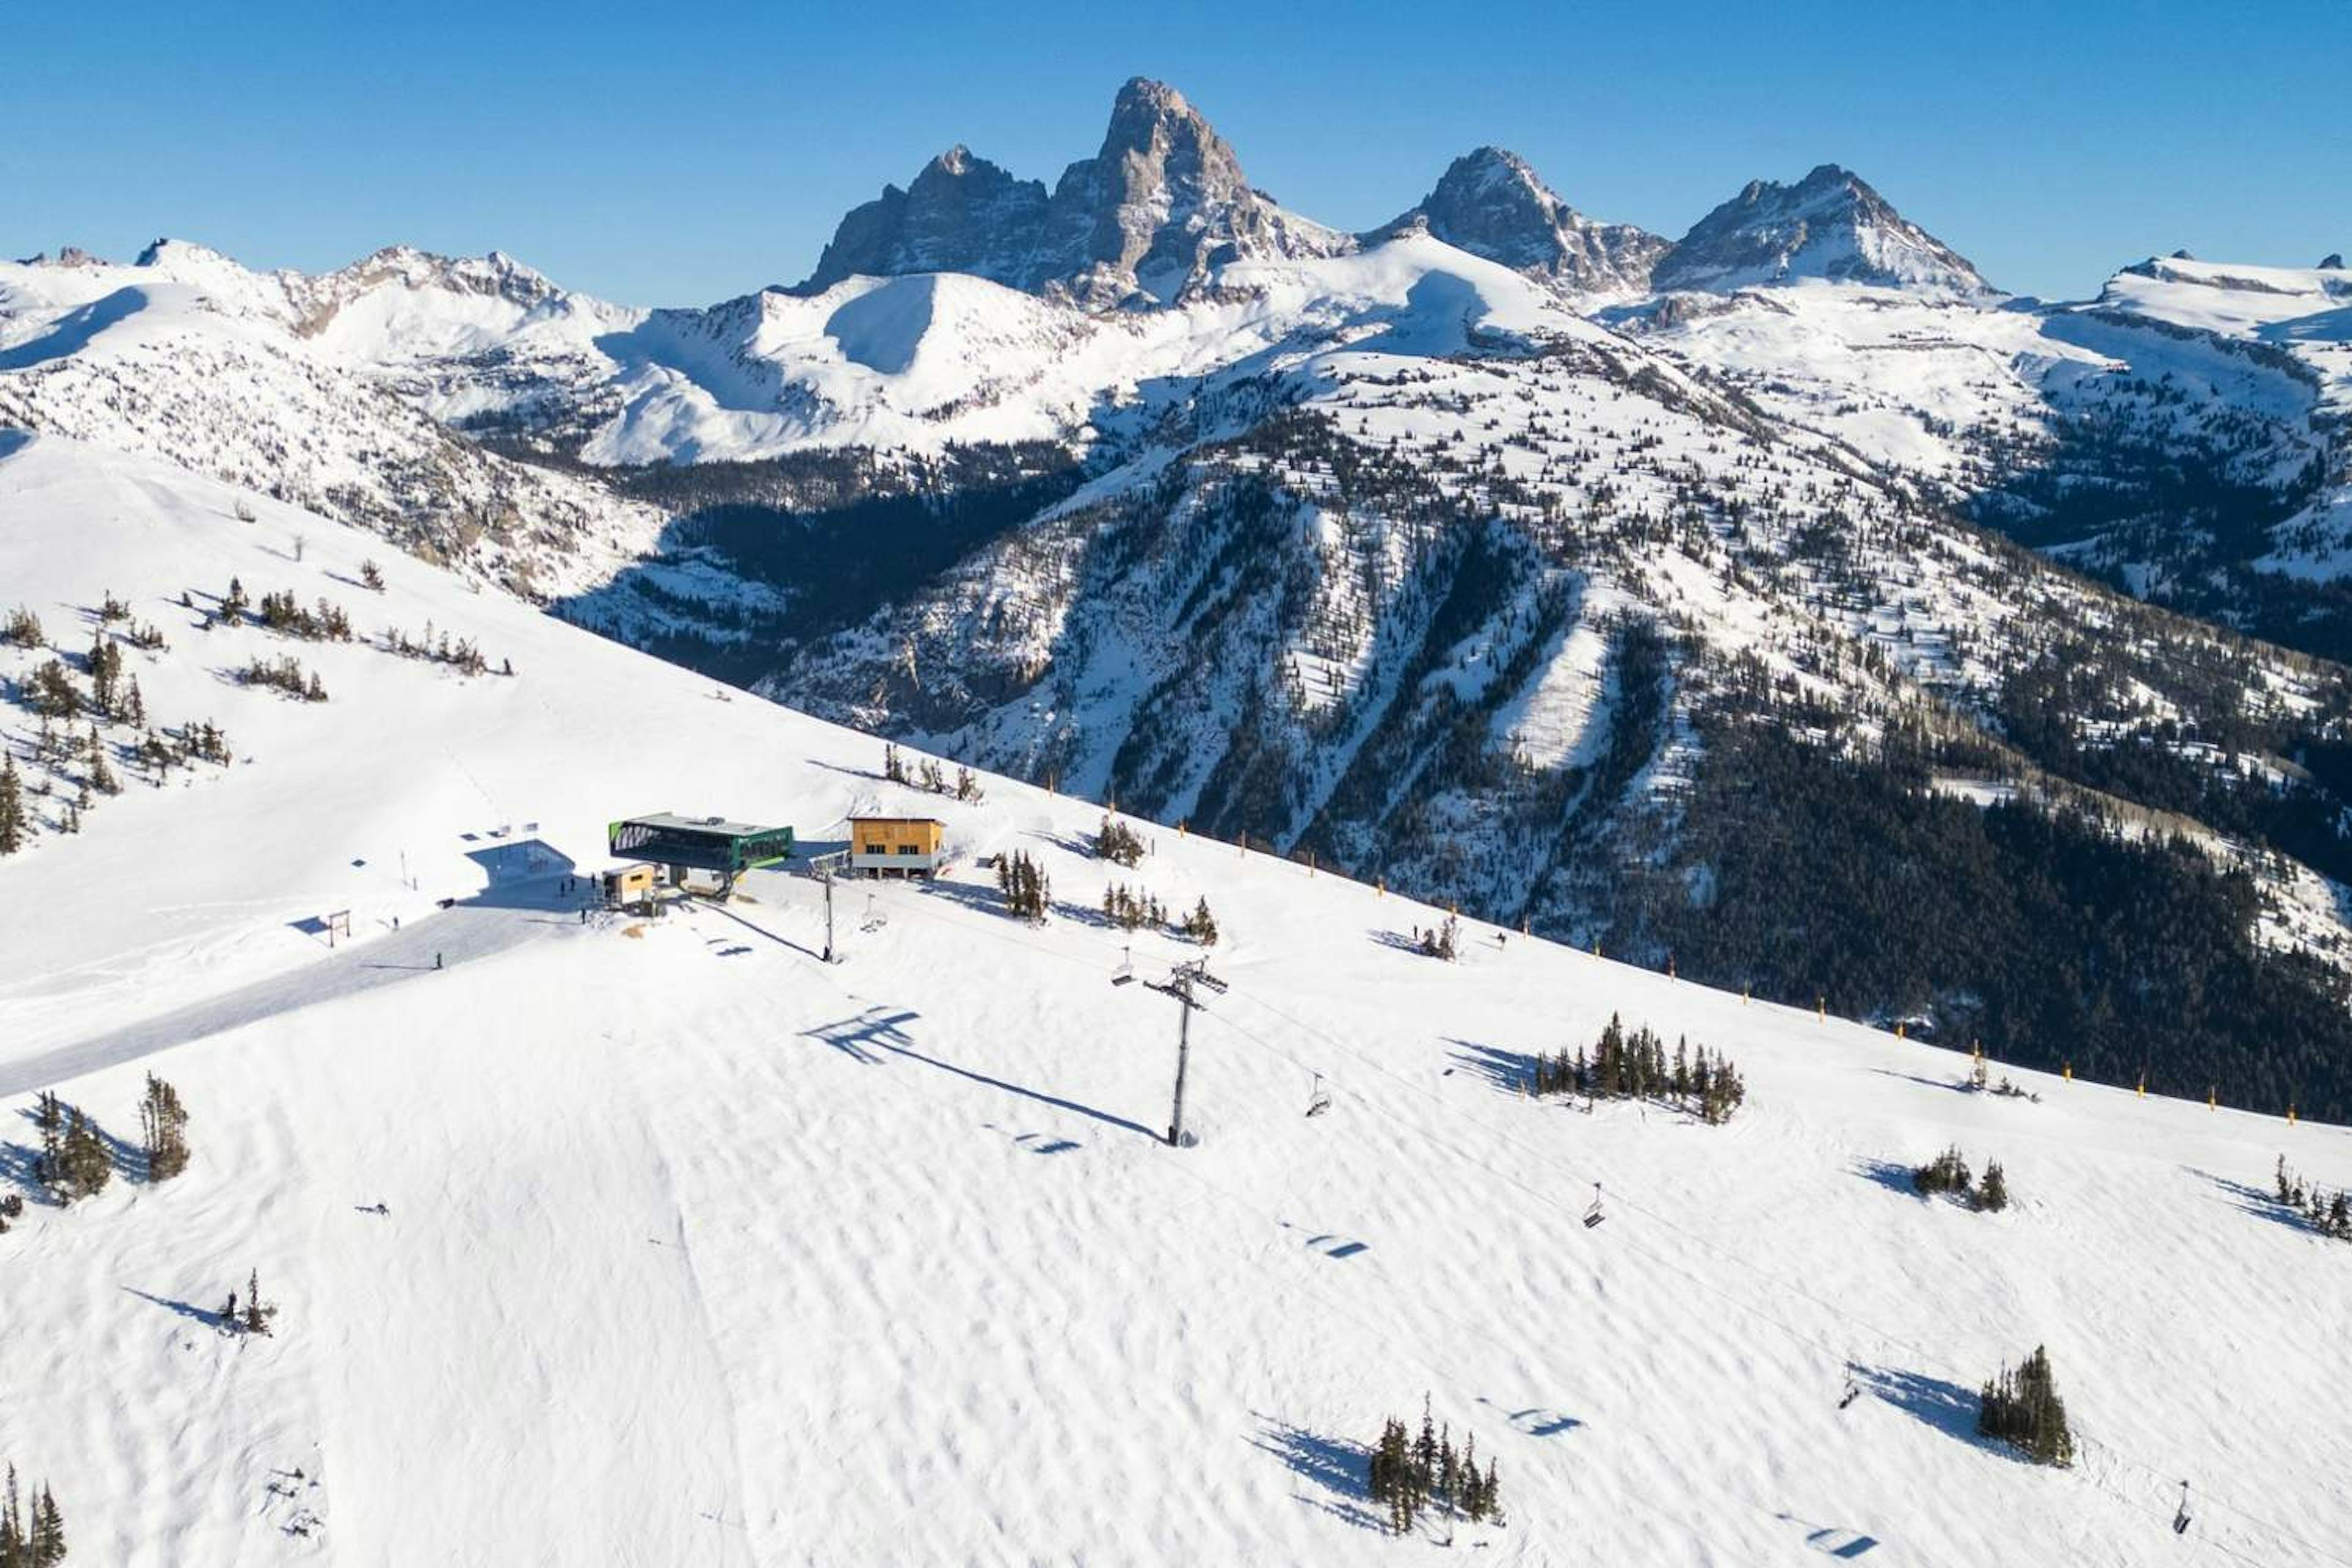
(674, 155)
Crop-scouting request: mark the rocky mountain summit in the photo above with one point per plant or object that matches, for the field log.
(1147, 218)
(1830, 225)
(1491, 203)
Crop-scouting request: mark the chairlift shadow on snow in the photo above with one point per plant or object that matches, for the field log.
(874, 1035)
(1536, 1421)
(1336, 1468)
(1831, 1539)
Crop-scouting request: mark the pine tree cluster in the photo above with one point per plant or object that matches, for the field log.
(53, 695)
(2023, 1409)
(930, 778)
(1129, 910)
(32, 1528)
(2329, 1215)
(73, 1162)
(285, 675)
(22, 628)
(1636, 1066)
(1438, 942)
(1117, 841)
(463, 655)
(328, 623)
(1413, 1475)
(372, 576)
(1948, 1173)
(164, 1121)
(1028, 893)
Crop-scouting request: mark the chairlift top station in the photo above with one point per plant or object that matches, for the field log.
(698, 844)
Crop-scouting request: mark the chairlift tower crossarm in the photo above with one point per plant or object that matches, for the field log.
(1179, 984)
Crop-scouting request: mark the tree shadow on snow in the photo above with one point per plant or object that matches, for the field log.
(1513, 1072)
(1894, 1175)
(1336, 1470)
(1947, 1406)
(210, 1316)
(2260, 1202)
(1957, 1085)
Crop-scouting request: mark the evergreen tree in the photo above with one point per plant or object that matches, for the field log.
(372, 576)
(1028, 893)
(165, 1123)
(12, 1526)
(233, 603)
(48, 1545)
(1201, 925)
(101, 776)
(49, 1166)
(12, 807)
(53, 695)
(1119, 842)
(1947, 1172)
(256, 1316)
(2023, 1409)
(84, 1166)
(1993, 1192)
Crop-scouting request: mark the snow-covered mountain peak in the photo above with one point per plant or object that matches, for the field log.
(1830, 225)
(1491, 203)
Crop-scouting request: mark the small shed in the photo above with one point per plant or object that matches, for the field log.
(896, 846)
(632, 884)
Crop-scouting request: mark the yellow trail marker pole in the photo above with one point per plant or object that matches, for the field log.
(2143, 1086)
(1898, 1030)
(1821, 1006)
(2070, 1072)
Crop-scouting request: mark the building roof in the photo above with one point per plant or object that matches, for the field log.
(717, 825)
(934, 821)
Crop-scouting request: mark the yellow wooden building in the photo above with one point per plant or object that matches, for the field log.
(896, 846)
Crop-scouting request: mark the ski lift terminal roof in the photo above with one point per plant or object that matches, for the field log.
(698, 843)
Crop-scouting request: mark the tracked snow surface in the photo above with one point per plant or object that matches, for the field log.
(663, 1242)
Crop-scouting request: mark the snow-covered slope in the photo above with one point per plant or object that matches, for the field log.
(691, 1249)
(306, 389)
(2307, 312)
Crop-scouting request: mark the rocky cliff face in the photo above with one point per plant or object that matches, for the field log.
(1490, 203)
(1830, 225)
(1153, 213)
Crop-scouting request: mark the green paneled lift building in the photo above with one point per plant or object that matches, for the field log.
(686, 844)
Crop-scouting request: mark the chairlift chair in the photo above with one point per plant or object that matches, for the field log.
(1318, 1099)
(1125, 973)
(2181, 1518)
(1593, 1215)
